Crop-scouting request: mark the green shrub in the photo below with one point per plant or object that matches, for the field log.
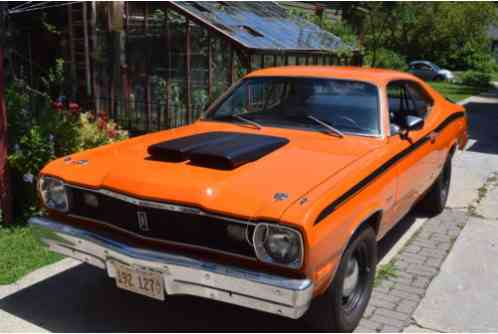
(36, 138)
(385, 58)
(475, 78)
(96, 132)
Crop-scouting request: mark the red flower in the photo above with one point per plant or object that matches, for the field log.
(103, 116)
(74, 107)
(57, 106)
(112, 133)
(102, 124)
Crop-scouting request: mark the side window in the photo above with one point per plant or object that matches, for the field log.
(406, 98)
(423, 67)
(395, 97)
(421, 101)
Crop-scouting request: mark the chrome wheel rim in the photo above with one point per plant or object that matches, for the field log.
(355, 282)
(352, 277)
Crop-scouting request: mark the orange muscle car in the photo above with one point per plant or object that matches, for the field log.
(274, 200)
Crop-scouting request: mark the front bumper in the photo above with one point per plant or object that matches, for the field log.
(181, 275)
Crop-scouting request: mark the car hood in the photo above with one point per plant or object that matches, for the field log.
(249, 191)
(446, 73)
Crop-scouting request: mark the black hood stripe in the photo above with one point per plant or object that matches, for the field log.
(379, 171)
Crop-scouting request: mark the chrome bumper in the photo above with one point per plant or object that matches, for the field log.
(181, 275)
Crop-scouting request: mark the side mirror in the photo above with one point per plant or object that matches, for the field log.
(413, 123)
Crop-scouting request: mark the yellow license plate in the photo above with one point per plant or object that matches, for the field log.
(146, 283)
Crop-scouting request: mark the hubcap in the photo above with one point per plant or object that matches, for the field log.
(352, 277)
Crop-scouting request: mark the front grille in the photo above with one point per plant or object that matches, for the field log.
(164, 225)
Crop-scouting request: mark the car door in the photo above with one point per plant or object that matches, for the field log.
(412, 155)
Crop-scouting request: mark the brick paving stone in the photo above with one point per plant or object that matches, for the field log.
(395, 299)
(405, 295)
(382, 303)
(381, 289)
(391, 329)
(388, 321)
(441, 237)
(432, 252)
(392, 314)
(410, 289)
(369, 324)
(412, 258)
(444, 246)
(407, 306)
(412, 249)
(421, 271)
(434, 262)
(423, 243)
(387, 297)
(421, 282)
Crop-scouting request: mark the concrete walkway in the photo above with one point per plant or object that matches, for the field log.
(464, 296)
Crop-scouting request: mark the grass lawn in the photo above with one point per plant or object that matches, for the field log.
(21, 253)
(456, 92)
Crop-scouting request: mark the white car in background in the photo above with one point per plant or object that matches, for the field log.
(429, 71)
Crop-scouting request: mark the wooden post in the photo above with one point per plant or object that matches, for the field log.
(72, 56)
(168, 72)
(148, 105)
(230, 70)
(87, 54)
(188, 71)
(5, 194)
(210, 66)
(93, 27)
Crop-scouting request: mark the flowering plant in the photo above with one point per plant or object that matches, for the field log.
(57, 129)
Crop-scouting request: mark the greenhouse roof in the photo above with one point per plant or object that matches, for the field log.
(262, 26)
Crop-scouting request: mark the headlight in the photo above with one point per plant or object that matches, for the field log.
(279, 245)
(53, 193)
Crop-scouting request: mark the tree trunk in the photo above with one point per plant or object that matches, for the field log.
(5, 195)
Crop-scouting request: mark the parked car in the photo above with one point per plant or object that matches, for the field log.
(275, 200)
(429, 71)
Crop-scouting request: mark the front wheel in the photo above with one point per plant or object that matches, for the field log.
(341, 307)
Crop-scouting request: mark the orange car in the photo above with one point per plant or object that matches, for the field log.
(274, 200)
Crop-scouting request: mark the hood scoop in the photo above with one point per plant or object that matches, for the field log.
(218, 150)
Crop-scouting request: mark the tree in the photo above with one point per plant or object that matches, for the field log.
(453, 35)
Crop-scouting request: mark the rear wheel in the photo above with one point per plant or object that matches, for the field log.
(435, 200)
(342, 305)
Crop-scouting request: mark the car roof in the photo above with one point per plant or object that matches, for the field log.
(375, 76)
(421, 62)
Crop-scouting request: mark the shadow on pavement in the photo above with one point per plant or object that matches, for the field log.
(84, 299)
(483, 125)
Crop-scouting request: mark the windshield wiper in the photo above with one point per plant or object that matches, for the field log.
(326, 125)
(248, 121)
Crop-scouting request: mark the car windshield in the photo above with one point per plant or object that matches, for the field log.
(352, 107)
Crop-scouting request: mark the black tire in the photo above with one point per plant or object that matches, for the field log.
(434, 202)
(333, 311)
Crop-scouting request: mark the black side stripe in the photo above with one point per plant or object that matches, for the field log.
(379, 171)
